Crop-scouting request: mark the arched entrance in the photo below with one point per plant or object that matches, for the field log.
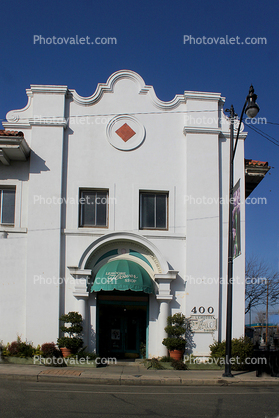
(123, 292)
(123, 282)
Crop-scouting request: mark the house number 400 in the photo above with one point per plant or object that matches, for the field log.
(201, 310)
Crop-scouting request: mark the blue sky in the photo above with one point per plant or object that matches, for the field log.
(150, 41)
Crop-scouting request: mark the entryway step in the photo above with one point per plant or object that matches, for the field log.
(127, 362)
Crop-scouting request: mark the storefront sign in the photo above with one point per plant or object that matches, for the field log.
(203, 323)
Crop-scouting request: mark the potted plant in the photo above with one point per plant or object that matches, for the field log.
(72, 342)
(175, 342)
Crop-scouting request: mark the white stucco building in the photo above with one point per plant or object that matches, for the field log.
(113, 192)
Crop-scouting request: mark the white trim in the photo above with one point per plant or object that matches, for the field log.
(200, 130)
(108, 87)
(123, 236)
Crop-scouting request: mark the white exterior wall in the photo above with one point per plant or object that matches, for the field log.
(180, 154)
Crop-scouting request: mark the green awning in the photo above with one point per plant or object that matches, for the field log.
(123, 275)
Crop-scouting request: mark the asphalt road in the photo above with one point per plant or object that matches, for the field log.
(20, 399)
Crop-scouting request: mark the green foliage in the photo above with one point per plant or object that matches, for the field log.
(178, 365)
(143, 350)
(173, 343)
(166, 359)
(176, 325)
(242, 348)
(176, 328)
(155, 364)
(73, 341)
(19, 348)
(73, 318)
(38, 351)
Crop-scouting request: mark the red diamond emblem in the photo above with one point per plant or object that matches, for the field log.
(125, 132)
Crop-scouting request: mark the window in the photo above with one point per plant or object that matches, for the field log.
(7, 206)
(93, 208)
(153, 210)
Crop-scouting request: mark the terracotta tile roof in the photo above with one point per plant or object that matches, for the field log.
(11, 133)
(256, 163)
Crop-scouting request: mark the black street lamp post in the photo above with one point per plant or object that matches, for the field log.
(251, 109)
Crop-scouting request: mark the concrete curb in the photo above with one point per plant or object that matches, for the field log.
(140, 381)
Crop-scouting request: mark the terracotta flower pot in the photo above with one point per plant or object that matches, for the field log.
(66, 352)
(176, 354)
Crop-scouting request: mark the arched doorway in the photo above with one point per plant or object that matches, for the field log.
(115, 317)
(123, 287)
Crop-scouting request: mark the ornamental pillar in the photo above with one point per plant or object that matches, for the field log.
(164, 297)
(81, 294)
(162, 320)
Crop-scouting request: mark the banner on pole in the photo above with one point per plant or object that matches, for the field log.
(236, 221)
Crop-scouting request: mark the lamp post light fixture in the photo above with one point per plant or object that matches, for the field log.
(251, 109)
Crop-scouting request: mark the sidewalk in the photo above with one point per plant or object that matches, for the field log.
(131, 374)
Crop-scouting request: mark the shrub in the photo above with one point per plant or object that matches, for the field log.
(73, 343)
(50, 350)
(242, 348)
(74, 340)
(176, 328)
(19, 348)
(13, 348)
(178, 365)
(155, 364)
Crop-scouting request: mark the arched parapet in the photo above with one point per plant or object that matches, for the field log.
(109, 86)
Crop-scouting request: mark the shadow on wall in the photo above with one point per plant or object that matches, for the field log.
(189, 335)
(37, 164)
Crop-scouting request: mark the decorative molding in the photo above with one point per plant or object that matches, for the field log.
(165, 298)
(77, 272)
(134, 142)
(130, 245)
(48, 121)
(108, 87)
(164, 283)
(81, 281)
(13, 116)
(40, 88)
(115, 237)
(201, 130)
(202, 95)
(13, 229)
